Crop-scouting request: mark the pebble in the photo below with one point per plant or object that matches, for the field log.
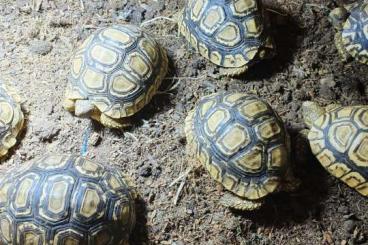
(145, 171)
(95, 139)
(349, 226)
(40, 47)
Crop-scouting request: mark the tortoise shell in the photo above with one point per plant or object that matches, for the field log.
(228, 33)
(355, 33)
(241, 141)
(118, 69)
(11, 118)
(65, 199)
(339, 140)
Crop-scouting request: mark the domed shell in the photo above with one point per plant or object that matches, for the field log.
(241, 141)
(65, 199)
(339, 140)
(355, 33)
(11, 118)
(118, 69)
(229, 33)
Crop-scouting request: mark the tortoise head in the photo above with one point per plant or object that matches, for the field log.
(311, 112)
(337, 17)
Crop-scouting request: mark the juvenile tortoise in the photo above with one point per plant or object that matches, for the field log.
(351, 23)
(243, 144)
(230, 34)
(66, 199)
(11, 118)
(338, 138)
(114, 74)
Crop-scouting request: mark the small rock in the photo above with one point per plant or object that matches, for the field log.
(40, 47)
(343, 210)
(177, 243)
(145, 171)
(349, 226)
(232, 223)
(328, 81)
(45, 130)
(95, 139)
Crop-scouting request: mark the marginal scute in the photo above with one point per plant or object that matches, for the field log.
(353, 179)
(326, 158)
(254, 28)
(277, 157)
(339, 169)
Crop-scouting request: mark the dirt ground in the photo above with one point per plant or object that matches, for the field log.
(35, 47)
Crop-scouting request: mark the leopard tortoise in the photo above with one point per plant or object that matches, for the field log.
(338, 138)
(243, 144)
(114, 74)
(231, 34)
(65, 200)
(11, 117)
(351, 23)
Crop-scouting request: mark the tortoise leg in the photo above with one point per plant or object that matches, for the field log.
(112, 122)
(232, 201)
(233, 71)
(69, 105)
(340, 47)
(83, 108)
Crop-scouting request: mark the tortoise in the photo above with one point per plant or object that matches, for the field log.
(351, 23)
(338, 138)
(114, 74)
(66, 199)
(11, 117)
(243, 144)
(231, 34)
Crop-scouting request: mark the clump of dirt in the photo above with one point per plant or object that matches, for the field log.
(35, 47)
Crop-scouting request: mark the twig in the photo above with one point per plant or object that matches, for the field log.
(131, 136)
(178, 192)
(81, 5)
(316, 6)
(185, 174)
(188, 78)
(149, 22)
(276, 12)
(181, 186)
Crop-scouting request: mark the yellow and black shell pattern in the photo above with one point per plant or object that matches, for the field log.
(119, 69)
(339, 140)
(11, 117)
(355, 33)
(65, 199)
(241, 141)
(228, 33)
